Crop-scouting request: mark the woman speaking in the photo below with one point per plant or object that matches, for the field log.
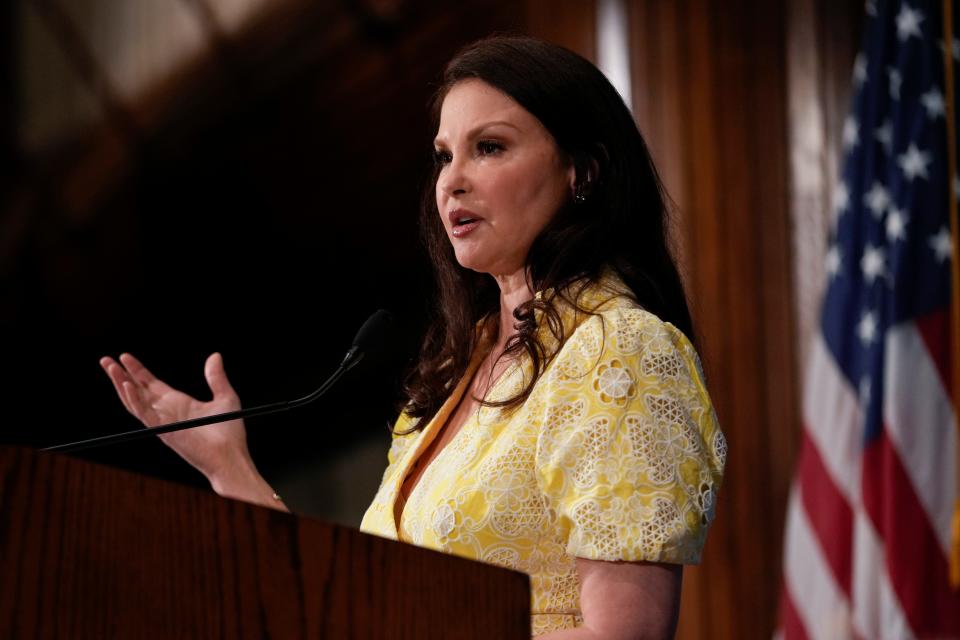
(557, 421)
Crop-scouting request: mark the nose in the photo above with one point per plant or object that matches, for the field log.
(453, 179)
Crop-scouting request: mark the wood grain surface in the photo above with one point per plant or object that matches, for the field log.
(91, 552)
(716, 90)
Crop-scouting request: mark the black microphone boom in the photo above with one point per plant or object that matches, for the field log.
(371, 337)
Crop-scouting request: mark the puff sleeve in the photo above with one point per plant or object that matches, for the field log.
(630, 456)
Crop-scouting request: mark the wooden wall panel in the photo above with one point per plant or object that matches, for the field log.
(742, 105)
(710, 94)
(571, 23)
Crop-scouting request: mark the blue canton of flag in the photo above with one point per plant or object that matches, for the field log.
(868, 524)
(889, 260)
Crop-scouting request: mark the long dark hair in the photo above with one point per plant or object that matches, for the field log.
(622, 224)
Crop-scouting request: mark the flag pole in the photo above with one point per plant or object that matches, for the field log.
(954, 272)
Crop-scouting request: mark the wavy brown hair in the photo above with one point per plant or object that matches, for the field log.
(622, 225)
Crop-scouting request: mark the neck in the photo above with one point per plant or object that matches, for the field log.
(514, 291)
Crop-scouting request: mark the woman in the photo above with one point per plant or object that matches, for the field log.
(557, 422)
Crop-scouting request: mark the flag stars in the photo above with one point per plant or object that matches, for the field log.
(933, 102)
(884, 135)
(877, 200)
(895, 80)
(865, 389)
(942, 244)
(908, 23)
(860, 70)
(896, 225)
(841, 198)
(851, 133)
(867, 328)
(914, 163)
(873, 263)
(834, 261)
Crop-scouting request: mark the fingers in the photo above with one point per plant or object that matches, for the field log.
(216, 376)
(136, 404)
(134, 395)
(117, 376)
(131, 394)
(141, 375)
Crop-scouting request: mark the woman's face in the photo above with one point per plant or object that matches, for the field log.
(502, 177)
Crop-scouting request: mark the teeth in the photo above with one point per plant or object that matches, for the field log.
(464, 220)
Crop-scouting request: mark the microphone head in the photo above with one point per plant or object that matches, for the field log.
(374, 335)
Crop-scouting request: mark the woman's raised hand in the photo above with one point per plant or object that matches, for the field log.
(219, 451)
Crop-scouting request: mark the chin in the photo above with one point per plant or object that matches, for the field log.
(470, 257)
(470, 262)
(489, 267)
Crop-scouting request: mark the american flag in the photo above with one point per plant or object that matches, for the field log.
(868, 523)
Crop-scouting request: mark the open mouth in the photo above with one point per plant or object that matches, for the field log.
(463, 222)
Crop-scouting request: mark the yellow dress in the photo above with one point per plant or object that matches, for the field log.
(615, 455)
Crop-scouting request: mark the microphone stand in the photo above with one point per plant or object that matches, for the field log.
(353, 357)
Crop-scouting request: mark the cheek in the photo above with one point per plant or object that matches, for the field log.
(535, 195)
(440, 199)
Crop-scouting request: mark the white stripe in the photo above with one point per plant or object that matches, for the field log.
(833, 419)
(817, 599)
(920, 423)
(876, 610)
(613, 46)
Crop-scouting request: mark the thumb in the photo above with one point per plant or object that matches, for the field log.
(216, 376)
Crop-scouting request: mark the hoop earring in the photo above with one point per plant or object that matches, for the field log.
(579, 195)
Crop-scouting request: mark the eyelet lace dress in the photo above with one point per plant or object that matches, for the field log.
(615, 455)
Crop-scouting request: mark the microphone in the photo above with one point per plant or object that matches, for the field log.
(370, 339)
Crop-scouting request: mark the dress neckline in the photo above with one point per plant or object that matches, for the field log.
(427, 436)
(592, 295)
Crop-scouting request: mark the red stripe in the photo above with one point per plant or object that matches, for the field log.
(790, 622)
(828, 511)
(934, 328)
(915, 562)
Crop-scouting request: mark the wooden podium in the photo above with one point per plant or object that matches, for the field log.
(87, 551)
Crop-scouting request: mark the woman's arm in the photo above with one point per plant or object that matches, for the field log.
(218, 451)
(626, 600)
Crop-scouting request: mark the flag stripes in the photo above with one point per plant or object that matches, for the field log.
(868, 524)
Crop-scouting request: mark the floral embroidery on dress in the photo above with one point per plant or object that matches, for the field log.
(662, 360)
(593, 447)
(443, 520)
(614, 383)
(615, 455)
(720, 447)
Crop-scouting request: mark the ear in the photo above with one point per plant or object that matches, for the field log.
(591, 172)
(572, 176)
(583, 173)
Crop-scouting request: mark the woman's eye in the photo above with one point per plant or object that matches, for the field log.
(486, 147)
(441, 157)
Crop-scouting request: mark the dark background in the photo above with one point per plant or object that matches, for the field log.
(260, 199)
(264, 211)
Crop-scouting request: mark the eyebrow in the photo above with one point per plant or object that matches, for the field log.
(477, 129)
